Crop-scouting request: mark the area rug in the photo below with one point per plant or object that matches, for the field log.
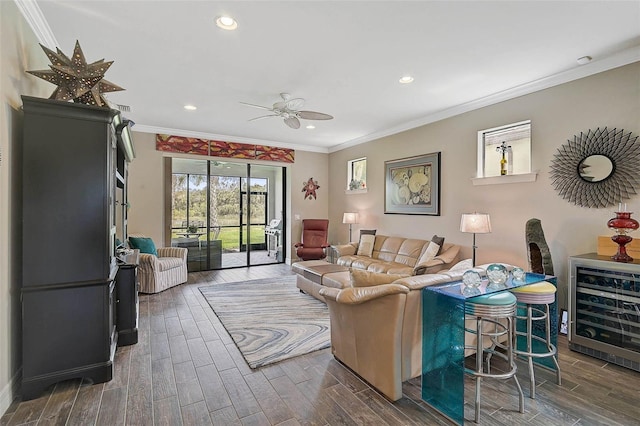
(269, 319)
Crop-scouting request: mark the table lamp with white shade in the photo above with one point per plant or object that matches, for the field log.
(475, 223)
(350, 218)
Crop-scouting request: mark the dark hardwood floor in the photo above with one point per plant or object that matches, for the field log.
(187, 370)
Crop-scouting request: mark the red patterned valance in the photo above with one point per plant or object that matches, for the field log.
(181, 144)
(212, 148)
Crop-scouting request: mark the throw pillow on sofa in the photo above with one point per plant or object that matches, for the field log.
(434, 247)
(365, 246)
(360, 278)
(145, 245)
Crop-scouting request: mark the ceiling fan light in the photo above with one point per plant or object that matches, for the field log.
(406, 79)
(226, 23)
(311, 126)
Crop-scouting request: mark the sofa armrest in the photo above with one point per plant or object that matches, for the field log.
(434, 265)
(148, 262)
(358, 295)
(346, 249)
(180, 252)
(417, 282)
(450, 254)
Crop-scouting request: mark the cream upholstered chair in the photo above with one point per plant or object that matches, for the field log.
(167, 269)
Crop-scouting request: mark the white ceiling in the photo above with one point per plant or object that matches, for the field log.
(343, 57)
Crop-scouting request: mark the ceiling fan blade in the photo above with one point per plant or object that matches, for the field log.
(256, 106)
(295, 104)
(263, 116)
(312, 115)
(280, 105)
(292, 122)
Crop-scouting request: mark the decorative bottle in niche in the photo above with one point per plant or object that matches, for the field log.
(503, 149)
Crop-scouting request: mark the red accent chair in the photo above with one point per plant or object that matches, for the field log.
(313, 242)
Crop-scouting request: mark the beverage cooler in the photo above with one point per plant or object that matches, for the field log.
(604, 309)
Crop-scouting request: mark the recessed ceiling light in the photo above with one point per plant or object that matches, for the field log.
(406, 79)
(311, 126)
(584, 60)
(190, 107)
(226, 23)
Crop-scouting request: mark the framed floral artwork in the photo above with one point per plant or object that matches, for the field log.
(412, 185)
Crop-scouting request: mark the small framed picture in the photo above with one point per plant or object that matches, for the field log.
(564, 321)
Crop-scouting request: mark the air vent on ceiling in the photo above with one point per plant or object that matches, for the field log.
(124, 108)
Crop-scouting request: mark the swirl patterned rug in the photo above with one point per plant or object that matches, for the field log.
(269, 319)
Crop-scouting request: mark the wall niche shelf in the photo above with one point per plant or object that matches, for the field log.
(497, 180)
(356, 191)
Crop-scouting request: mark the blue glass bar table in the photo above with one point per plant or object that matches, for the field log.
(443, 340)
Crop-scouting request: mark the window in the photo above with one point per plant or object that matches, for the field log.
(513, 141)
(357, 174)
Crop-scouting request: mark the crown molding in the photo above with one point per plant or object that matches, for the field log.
(619, 59)
(39, 25)
(226, 138)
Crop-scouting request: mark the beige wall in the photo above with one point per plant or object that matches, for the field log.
(19, 51)
(146, 214)
(145, 190)
(610, 99)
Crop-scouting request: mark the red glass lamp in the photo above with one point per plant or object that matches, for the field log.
(623, 224)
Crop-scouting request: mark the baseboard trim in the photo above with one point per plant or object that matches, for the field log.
(10, 392)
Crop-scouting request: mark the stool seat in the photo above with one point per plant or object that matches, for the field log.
(536, 294)
(502, 298)
(541, 287)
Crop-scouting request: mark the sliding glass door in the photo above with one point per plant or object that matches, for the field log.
(221, 213)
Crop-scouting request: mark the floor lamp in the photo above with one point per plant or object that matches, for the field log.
(350, 218)
(475, 223)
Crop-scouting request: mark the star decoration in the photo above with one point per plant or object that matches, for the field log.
(310, 188)
(76, 80)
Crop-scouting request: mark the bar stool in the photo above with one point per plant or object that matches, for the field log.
(494, 309)
(543, 293)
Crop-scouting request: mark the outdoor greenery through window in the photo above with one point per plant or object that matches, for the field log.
(227, 200)
(357, 174)
(512, 140)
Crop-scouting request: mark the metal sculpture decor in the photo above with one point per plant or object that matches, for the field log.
(76, 80)
(598, 169)
(310, 188)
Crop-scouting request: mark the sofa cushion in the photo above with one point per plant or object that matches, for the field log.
(409, 251)
(365, 246)
(390, 268)
(362, 262)
(389, 248)
(166, 263)
(145, 245)
(368, 278)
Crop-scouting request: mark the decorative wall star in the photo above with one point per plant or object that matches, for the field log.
(76, 80)
(310, 188)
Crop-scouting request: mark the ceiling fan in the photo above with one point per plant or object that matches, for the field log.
(289, 109)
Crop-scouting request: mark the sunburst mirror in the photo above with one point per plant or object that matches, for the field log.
(597, 169)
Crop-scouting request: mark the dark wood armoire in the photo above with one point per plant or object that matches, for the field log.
(69, 267)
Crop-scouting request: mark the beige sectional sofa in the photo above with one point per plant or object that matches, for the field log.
(376, 318)
(391, 255)
(397, 255)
